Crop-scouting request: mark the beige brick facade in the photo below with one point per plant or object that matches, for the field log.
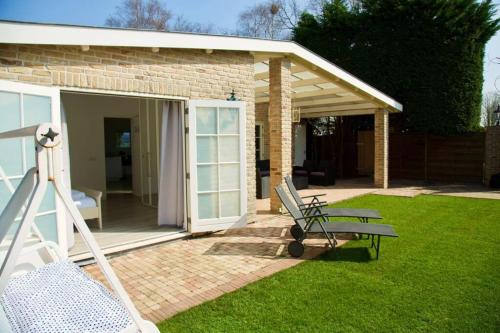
(192, 74)
(492, 152)
(381, 168)
(280, 125)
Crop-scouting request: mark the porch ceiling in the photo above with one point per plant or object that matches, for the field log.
(318, 94)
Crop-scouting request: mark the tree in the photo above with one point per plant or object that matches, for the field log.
(491, 102)
(427, 54)
(273, 19)
(181, 24)
(140, 14)
(153, 15)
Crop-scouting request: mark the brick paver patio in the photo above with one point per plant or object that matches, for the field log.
(172, 277)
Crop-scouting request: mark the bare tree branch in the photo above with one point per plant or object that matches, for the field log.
(273, 19)
(491, 101)
(140, 14)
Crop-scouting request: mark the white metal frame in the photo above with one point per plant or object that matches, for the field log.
(54, 94)
(221, 223)
(31, 191)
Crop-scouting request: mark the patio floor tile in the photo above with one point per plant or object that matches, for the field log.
(168, 278)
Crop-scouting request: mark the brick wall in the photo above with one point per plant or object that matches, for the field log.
(280, 125)
(381, 172)
(170, 72)
(492, 152)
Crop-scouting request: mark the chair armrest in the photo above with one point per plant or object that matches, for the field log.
(315, 204)
(313, 196)
(324, 216)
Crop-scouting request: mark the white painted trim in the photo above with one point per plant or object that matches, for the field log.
(47, 34)
(119, 93)
(55, 103)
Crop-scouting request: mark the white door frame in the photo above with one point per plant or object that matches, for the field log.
(220, 223)
(55, 94)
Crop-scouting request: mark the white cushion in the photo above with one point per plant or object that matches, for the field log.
(77, 195)
(60, 297)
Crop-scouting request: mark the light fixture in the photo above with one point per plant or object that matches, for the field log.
(232, 96)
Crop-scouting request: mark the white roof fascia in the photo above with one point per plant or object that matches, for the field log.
(50, 34)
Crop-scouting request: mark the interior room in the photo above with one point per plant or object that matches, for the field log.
(114, 161)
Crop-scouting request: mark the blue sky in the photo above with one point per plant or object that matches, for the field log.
(220, 13)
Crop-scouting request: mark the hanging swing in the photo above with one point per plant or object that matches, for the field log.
(41, 290)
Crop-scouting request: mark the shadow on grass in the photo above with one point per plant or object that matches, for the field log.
(348, 254)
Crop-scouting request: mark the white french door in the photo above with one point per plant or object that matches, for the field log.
(23, 105)
(150, 113)
(217, 165)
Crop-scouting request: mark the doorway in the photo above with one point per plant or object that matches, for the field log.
(118, 155)
(114, 148)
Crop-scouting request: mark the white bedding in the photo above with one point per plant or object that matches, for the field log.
(86, 202)
(77, 195)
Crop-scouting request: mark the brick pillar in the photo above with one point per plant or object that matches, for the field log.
(381, 172)
(492, 153)
(280, 126)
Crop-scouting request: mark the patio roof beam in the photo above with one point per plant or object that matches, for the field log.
(306, 94)
(347, 107)
(293, 70)
(328, 101)
(341, 83)
(337, 113)
(317, 93)
(309, 82)
(261, 76)
(296, 84)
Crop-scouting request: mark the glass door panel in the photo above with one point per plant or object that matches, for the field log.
(23, 105)
(218, 182)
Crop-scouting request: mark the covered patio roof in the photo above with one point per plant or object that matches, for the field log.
(320, 88)
(318, 93)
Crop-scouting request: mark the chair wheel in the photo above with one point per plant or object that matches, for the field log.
(296, 249)
(296, 232)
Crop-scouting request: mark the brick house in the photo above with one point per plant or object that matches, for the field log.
(87, 80)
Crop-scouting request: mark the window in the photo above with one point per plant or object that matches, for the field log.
(259, 141)
(123, 140)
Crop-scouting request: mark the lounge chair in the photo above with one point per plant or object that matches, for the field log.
(320, 207)
(318, 223)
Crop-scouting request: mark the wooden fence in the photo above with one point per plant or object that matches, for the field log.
(454, 158)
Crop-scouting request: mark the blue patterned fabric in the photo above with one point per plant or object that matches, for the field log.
(60, 297)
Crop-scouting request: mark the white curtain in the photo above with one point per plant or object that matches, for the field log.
(170, 189)
(67, 173)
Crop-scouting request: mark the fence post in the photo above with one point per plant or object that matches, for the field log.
(492, 153)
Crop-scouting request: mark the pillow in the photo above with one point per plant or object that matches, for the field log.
(77, 195)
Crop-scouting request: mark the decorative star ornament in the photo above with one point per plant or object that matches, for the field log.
(50, 134)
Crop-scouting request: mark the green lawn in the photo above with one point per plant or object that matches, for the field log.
(441, 275)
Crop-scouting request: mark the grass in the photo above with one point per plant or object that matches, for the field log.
(441, 275)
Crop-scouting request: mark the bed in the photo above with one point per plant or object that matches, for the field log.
(88, 202)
